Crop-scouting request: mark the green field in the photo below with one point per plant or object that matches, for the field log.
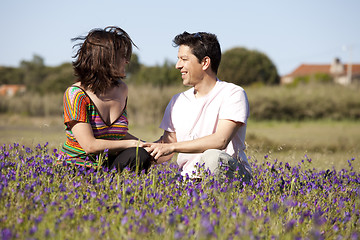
(328, 143)
(286, 199)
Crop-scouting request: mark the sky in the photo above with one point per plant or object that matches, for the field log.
(290, 33)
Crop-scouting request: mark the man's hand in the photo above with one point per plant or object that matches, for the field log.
(158, 150)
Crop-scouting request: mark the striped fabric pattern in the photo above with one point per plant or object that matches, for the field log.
(79, 107)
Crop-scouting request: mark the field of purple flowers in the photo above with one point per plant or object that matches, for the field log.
(41, 200)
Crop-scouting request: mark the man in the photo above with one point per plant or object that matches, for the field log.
(206, 124)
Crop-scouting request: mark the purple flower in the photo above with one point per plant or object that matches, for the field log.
(93, 194)
(290, 225)
(355, 235)
(37, 198)
(47, 233)
(124, 220)
(178, 234)
(69, 213)
(6, 234)
(171, 219)
(143, 229)
(33, 230)
(160, 230)
(38, 219)
(274, 207)
(318, 219)
(336, 227)
(204, 196)
(207, 227)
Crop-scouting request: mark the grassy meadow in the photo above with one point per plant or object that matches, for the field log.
(298, 196)
(328, 143)
(306, 182)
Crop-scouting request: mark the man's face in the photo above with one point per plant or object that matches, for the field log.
(189, 66)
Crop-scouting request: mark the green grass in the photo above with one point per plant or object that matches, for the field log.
(328, 143)
(284, 201)
(30, 131)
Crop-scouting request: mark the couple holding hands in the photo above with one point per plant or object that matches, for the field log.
(205, 125)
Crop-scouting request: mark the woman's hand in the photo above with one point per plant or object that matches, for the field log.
(158, 150)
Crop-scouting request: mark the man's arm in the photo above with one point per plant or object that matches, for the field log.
(225, 131)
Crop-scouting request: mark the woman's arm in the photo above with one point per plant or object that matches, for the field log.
(85, 137)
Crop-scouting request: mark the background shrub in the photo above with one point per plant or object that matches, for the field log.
(147, 103)
(304, 102)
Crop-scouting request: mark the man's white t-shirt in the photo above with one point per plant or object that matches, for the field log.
(193, 118)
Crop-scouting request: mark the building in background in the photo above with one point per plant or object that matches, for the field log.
(340, 73)
(10, 90)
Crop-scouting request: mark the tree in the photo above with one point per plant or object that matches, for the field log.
(33, 72)
(57, 79)
(244, 67)
(134, 65)
(11, 75)
(164, 75)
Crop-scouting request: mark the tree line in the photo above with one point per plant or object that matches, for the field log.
(238, 65)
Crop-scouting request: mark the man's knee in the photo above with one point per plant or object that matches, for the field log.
(222, 164)
(210, 159)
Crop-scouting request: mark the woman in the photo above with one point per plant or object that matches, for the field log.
(95, 105)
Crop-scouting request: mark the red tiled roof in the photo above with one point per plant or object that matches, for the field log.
(355, 68)
(310, 69)
(11, 89)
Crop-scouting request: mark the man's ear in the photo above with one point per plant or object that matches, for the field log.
(206, 62)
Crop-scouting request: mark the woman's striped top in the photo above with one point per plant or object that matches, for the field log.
(79, 107)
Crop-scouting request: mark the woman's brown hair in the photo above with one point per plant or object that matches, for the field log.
(97, 58)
